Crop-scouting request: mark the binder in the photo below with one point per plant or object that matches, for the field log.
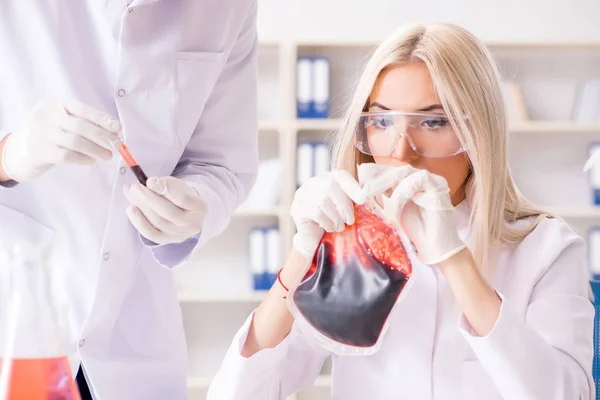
(322, 158)
(305, 162)
(304, 87)
(274, 259)
(594, 253)
(321, 89)
(257, 250)
(595, 174)
(586, 109)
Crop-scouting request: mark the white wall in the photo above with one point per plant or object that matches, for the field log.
(491, 20)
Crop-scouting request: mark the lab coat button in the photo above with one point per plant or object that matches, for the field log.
(121, 93)
(81, 342)
(106, 256)
(129, 9)
(123, 170)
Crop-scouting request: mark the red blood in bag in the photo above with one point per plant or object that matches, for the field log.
(354, 281)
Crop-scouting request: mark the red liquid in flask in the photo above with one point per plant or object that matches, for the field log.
(41, 379)
(354, 281)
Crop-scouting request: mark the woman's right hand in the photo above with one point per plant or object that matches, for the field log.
(323, 204)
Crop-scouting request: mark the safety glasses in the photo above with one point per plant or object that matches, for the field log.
(428, 134)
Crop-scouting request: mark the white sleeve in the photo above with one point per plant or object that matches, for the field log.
(548, 353)
(270, 374)
(220, 161)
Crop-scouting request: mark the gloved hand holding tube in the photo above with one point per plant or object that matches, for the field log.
(166, 210)
(163, 210)
(56, 133)
(70, 132)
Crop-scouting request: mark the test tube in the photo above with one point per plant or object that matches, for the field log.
(133, 164)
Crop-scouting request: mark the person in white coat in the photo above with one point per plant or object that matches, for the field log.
(177, 82)
(499, 306)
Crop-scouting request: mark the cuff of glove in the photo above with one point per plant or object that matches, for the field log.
(304, 246)
(12, 181)
(444, 257)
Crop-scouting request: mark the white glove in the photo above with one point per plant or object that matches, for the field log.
(166, 210)
(59, 133)
(323, 203)
(421, 202)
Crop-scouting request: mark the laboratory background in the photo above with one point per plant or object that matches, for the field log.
(311, 53)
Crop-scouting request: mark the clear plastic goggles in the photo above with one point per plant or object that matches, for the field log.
(428, 134)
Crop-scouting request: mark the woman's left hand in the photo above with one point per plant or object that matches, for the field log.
(421, 202)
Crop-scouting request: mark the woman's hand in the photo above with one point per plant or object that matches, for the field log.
(421, 202)
(323, 203)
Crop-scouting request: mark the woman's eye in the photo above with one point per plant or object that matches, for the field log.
(435, 123)
(382, 123)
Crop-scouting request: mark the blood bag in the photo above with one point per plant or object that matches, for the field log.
(33, 359)
(355, 280)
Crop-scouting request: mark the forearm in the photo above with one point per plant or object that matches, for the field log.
(272, 320)
(3, 175)
(478, 300)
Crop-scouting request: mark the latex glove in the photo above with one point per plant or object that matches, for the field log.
(59, 133)
(420, 201)
(323, 203)
(167, 210)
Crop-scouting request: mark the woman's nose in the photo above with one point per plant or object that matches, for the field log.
(402, 151)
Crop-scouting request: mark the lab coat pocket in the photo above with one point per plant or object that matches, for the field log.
(197, 73)
(476, 384)
(20, 229)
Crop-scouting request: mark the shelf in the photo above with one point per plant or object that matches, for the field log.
(248, 297)
(322, 381)
(553, 127)
(268, 126)
(198, 383)
(509, 45)
(543, 45)
(269, 212)
(325, 124)
(520, 128)
(573, 211)
(268, 43)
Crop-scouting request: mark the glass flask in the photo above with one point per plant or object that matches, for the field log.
(33, 356)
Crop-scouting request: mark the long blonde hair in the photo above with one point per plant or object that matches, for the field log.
(467, 81)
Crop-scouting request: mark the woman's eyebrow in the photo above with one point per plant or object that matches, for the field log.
(378, 105)
(431, 107)
(424, 109)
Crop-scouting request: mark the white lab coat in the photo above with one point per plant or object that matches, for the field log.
(181, 77)
(540, 348)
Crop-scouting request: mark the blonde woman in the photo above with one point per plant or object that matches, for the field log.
(500, 309)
